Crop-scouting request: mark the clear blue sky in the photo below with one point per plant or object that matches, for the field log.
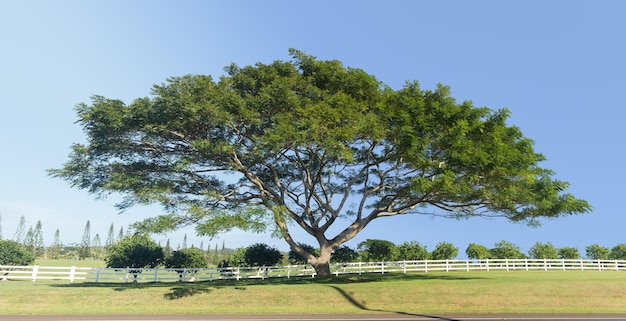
(559, 67)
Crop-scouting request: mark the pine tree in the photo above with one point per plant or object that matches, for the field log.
(185, 242)
(29, 241)
(110, 238)
(19, 232)
(168, 249)
(96, 247)
(84, 249)
(54, 252)
(120, 235)
(39, 247)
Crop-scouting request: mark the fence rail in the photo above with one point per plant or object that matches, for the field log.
(238, 273)
(37, 272)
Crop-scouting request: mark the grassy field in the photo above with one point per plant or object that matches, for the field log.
(81, 263)
(420, 293)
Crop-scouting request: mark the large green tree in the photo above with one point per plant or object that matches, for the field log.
(444, 251)
(135, 252)
(543, 251)
(309, 144)
(377, 250)
(13, 253)
(186, 260)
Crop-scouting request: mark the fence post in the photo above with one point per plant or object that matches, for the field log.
(487, 262)
(563, 264)
(447, 266)
(467, 264)
(382, 267)
(97, 274)
(156, 270)
(404, 266)
(425, 266)
(35, 271)
(72, 272)
(545, 264)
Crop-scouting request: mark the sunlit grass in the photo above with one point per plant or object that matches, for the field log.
(68, 263)
(417, 293)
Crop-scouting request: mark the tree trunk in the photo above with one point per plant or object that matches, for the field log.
(322, 270)
(321, 264)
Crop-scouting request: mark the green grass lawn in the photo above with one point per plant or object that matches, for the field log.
(65, 263)
(419, 293)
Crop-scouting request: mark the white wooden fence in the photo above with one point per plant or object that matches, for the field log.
(238, 273)
(37, 272)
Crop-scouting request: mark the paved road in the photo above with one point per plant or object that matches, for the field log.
(357, 317)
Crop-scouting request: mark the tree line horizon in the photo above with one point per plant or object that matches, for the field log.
(368, 250)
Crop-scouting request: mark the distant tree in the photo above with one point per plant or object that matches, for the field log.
(96, 247)
(54, 251)
(477, 252)
(168, 249)
(110, 238)
(295, 258)
(260, 254)
(120, 234)
(507, 250)
(237, 259)
(186, 260)
(444, 251)
(568, 253)
(618, 252)
(411, 251)
(70, 251)
(20, 232)
(377, 250)
(134, 252)
(185, 242)
(84, 248)
(29, 241)
(215, 258)
(597, 252)
(40, 249)
(223, 253)
(14, 254)
(344, 254)
(543, 251)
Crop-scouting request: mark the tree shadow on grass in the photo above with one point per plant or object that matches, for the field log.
(362, 306)
(181, 290)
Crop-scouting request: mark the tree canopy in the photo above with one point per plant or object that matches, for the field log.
(135, 252)
(312, 144)
(190, 260)
(15, 254)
